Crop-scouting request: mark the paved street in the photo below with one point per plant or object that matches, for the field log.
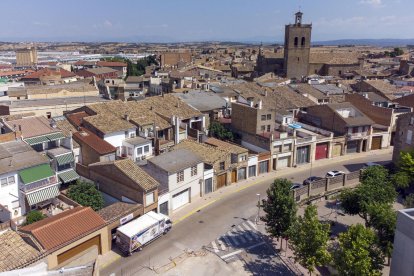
(205, 219)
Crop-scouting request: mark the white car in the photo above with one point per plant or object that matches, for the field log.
(371, 164)
(334, 173)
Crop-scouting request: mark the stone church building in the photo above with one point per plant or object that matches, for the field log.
(297, 60)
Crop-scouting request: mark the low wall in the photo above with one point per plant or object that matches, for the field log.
(326, 185)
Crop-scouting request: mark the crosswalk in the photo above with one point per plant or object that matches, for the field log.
(240, 237)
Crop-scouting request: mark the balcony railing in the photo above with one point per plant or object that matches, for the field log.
(357, 135)
(40, 184)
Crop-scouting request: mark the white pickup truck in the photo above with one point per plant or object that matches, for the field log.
(141, 231)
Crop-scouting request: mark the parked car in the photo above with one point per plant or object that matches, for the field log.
(295, 186)
(311, 179)
(331, 174)
(371, 164)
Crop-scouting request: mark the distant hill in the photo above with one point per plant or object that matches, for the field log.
(370, 42)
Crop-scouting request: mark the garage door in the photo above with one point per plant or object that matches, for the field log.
(336, 150)
(376, 142)
(252, 170)
(92, 244)
(241, 174)
(181, 199)
(164, 208)
(321, 151)
(283, 162)
(221, 180)
(208, 185)
(352, 146)
(264, 167)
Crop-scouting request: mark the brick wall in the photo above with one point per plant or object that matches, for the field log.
(378, 114)
(244, 118)
(323, 117)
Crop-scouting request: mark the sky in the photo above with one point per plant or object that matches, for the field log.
(195, 20)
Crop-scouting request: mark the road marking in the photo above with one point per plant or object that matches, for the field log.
(231, 254)
(226, 240)
(222, 245)
(249, 233)
(255, 245)
(239, 235)
(233, 238)
(252, 224)
(216, 250)
(245, 233)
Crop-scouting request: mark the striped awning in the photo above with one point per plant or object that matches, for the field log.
(68, 176)
(55, 136)
(36, 140)
(42, 195)
(65, 159)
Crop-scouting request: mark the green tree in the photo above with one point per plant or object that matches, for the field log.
(406, 163)
(279, 208)
(375, 188)
(34, 216)
(218, 131)
(383, 221)
(357, 253)
(86, 194)
(309, 240)
(409, 201)
(398, 51)
(401, 180)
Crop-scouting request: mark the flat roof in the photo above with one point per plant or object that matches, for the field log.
(176, 160)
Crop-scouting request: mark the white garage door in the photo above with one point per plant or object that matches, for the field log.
(283, 162)
(180, 199)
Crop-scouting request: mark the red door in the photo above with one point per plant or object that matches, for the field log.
(321, 151)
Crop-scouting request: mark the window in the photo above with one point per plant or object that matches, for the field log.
(263, 128)
(263, 117)
(268, 128)
(302, 43)
(355, 130)
(149, 198)
(194, 170)
(3, 182)
(180, 176)
(269, 116)
(339, 72)
(129, 151)
(222, 166)
(412, 121)
(243, 158)
(139, 151)
(277, 148)
(408, 140)
(11, 180)
(146, 149)
(48, 115)
(132, 135)
(296, 41)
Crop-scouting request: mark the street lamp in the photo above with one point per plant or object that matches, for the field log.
(258, 209)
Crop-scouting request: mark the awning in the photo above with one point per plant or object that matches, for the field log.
(55, 136)
(65, 159)
(68, 176)
(36, 140)
(42, 195)
(36, 173)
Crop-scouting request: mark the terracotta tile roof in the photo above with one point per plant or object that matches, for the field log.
(33, 126)
(76, 118)
(66, 129)
(108, 123)
(49, 72)
(11, 73)
(132, 171)
(209, 154)
(111, 64)
(14, 251)
(406, 101)
(99, 145)
(65, 227)
(227, 146)
(118, 210)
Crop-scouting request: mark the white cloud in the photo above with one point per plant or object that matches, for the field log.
(373, 3)
(107, 23)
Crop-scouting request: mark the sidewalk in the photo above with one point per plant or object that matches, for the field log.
(202, 202)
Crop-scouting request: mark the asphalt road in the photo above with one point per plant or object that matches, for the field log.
(204, 226)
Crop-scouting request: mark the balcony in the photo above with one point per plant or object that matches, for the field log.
(357, 135)
(50, 181)
(305, 140)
